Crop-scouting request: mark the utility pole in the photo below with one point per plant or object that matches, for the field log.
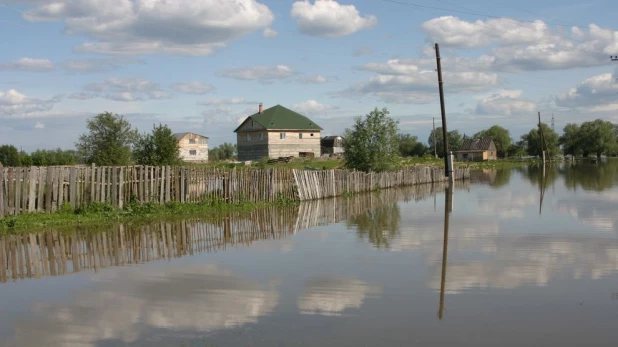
(435, 150)
(447, 155)
(544, 148)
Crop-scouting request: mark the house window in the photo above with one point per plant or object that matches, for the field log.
(248, 137)
(261, 136)
(192, 141)
(300, 136)
(252, 124)
(203, 141)
(282, 136)
(193, 152)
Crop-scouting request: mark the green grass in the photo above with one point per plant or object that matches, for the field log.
(99, 214)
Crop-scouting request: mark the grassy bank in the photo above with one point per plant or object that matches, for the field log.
(99, 214)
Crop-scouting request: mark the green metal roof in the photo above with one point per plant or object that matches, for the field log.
(281, 118)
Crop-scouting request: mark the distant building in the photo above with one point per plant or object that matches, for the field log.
(477, 150)
(332, 145)
(277, 132)
(193, 147)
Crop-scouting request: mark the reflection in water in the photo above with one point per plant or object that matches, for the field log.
(125, 306)
(595, 177)
(54, 253)
(448, 208)
(378, 225)
(331, 296)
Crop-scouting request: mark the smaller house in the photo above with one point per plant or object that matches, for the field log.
(477, 150)
(193, 147)
(332, 145)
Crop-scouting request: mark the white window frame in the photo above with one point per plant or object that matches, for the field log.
(261, 136)
(192, 141)
(281, 136)
(249, 137)
(300, 136)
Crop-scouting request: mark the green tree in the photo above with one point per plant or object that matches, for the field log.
(410, 146)
(571, 140)
(25, 159)
(517, 149)
(598, 137)
(109, 140)
(225, 151)
(372, 143)
(533, 141)
(9, 156)
(455, 140)
(42, 157)
(501, 138)
(160, 147)
(378, 226)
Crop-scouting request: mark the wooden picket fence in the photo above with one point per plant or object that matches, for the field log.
(54, 253)
(329, 183)
(47, 189)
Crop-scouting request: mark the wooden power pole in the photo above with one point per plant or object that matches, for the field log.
(447, 168)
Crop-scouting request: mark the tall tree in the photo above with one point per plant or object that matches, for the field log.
(501, 138)
(160, 147)
(455, 140)
(9, 156)
(108, 141)
(533, 141)
(570, 140)
(372, 143)
(42, 157)
(598, 137)
(410, 146)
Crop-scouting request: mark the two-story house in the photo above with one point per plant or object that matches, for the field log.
(193, 147)
(277, 132)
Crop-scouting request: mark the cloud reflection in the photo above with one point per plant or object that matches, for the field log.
(331, 296)
(128, 302)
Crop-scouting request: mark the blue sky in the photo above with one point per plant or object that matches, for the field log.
(204, 66)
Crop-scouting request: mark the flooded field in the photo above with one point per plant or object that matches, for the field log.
(512, 258)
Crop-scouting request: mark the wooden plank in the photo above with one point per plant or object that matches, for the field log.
(48, 189)
(92, 195)
(55, 186)
(168, 181)
(2, 201)
(32, 188)
(72, 187)
(61, 196)
(18, 185)
(114, 186)
(121, 183)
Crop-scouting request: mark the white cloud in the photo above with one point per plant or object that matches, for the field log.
(519, 46)
(261, 73)
(316, 79)
(14, 104)
(185, 27)
(29, 64)
(312, 107)
(270, 33)
(134, 89)
(505, 103)
(227, 101)
(218, 115)
(596, 91)
(193, 87)
(329, 18)
(39, 125)
(98, 64)
(414, 81)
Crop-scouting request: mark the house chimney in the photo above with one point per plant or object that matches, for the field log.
(261, 108)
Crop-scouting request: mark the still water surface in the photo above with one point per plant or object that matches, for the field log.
(528, 260)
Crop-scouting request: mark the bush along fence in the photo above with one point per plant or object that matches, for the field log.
(48, 189)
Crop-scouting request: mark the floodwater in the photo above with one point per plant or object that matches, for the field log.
(522, 257)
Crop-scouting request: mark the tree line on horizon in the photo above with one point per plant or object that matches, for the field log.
(112, 141)
(373, 143)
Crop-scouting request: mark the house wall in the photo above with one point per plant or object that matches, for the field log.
(292, 145)
(254, 148)
(201, 150)
(471, 156)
